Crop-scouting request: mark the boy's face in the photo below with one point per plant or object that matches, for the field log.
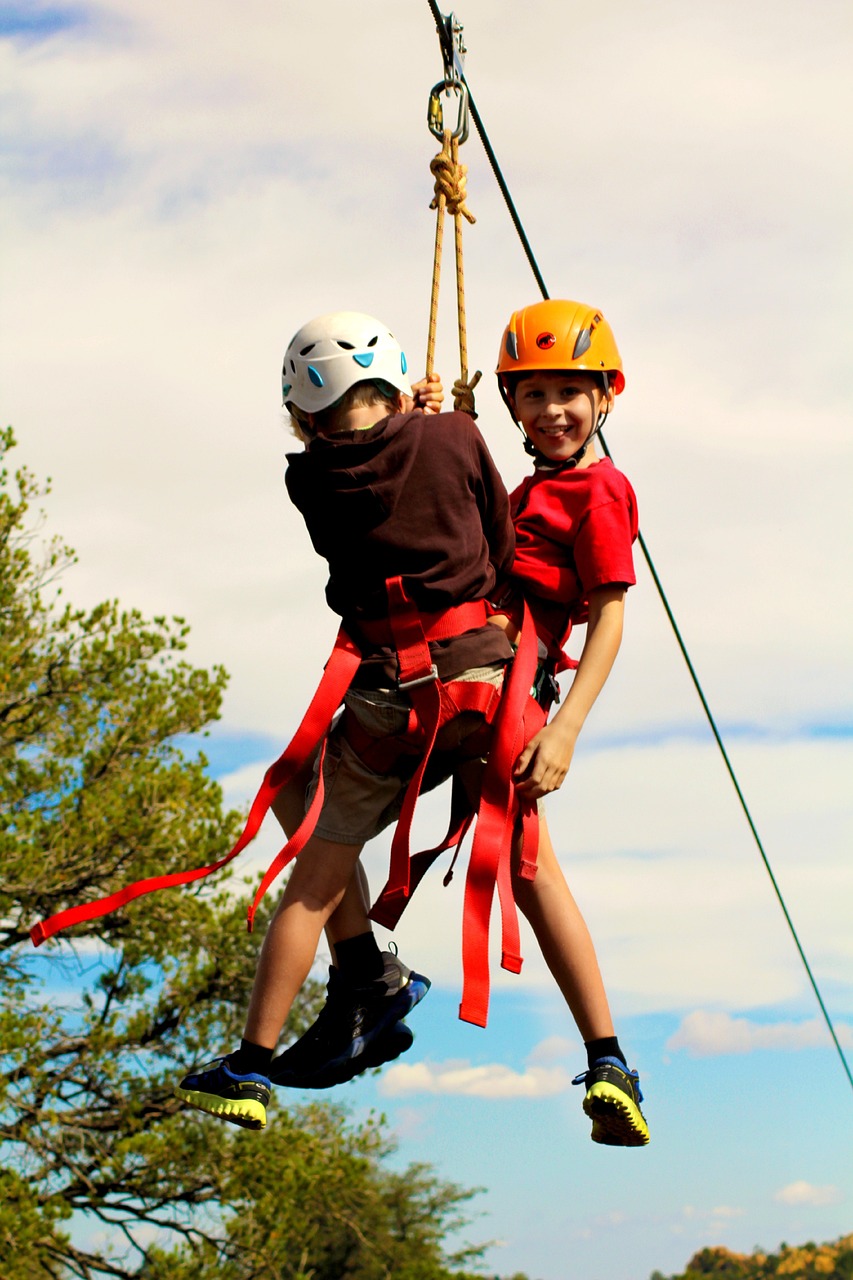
(558, 411)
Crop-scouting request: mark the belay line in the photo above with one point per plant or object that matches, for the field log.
(449, 34)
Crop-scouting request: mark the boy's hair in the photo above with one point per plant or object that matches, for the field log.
(370, 391)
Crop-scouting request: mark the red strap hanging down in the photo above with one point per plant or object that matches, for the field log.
(337, 677)
(518, 718)
(491, 854)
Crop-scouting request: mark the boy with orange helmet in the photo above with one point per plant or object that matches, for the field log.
(575, 519)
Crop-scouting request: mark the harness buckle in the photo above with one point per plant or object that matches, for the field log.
(430, 678)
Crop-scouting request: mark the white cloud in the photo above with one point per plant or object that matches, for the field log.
(708, 1034)
(805, 1193)
(718, 1214)
(552, 1049)
(493, 1080)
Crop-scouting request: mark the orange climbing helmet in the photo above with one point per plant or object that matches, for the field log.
(558, 334)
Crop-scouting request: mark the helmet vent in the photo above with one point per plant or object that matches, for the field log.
(306, 350)
(315, 376)
(347, 346)
(582, 344)
(373, 341)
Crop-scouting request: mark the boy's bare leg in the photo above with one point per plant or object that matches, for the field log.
(350, 918)
(564, 940)
(316, 886)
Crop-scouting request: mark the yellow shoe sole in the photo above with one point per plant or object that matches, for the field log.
(616, 1120)
(247, 1112)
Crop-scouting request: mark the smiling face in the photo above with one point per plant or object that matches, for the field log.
(558, 411)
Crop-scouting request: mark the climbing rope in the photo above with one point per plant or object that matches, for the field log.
(450, 191)
(449, 34)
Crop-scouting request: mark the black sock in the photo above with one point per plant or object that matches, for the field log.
(251, 1059)
(359, 959)
(607, 1047)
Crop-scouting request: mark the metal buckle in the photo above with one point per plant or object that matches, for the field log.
(428, 679)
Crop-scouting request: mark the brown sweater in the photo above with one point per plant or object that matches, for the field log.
(416, 496)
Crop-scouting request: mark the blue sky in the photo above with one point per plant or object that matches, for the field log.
(181, 192)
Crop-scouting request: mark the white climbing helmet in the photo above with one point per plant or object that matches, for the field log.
(329, 355)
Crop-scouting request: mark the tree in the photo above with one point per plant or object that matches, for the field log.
(97, 1158)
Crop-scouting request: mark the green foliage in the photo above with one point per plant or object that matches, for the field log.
(804, 1262)
(102, 1171)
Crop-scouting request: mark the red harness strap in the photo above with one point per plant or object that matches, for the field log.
(518, 718)
(434, 702)
(337, 677)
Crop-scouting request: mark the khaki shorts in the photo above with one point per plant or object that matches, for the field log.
(358, 803)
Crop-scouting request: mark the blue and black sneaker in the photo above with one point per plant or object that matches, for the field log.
(358, 1028)
(612, 1102)
(216, 1089)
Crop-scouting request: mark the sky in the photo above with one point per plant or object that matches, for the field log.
(182, 187)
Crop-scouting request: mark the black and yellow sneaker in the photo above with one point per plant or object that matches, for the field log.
(216, 1089)
(612, 1102)
(358, 1028)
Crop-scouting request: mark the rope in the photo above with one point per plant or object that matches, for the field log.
(450, 192)
(487, 146)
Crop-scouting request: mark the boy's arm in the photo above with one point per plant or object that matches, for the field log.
(544, 762)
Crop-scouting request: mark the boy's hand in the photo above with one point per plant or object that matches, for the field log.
(543, 764)
(429, 393)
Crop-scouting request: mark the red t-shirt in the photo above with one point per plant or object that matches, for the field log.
(573, 532)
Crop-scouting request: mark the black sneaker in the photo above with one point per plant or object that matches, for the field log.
(216, 1089)
(383, 1047)
(357, 1029)
(612, 1102)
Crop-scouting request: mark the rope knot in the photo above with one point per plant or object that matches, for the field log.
(451, 182)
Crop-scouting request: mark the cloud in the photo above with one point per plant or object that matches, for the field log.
(705, 1034)
(804, 1193)
(492, 1080)
(719, 1213)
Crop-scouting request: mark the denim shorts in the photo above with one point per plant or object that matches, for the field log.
(359, 803)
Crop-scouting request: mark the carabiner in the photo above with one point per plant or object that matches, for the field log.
(435, 110)
(453, 56)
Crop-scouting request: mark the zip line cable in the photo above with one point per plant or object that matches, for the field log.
(445, 28)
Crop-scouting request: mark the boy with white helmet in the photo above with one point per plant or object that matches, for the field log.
(575, 520)
(406, 506)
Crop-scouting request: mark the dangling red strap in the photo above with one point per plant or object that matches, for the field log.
(493, 838)
(418, 677)
(388, 909)
(336, 679)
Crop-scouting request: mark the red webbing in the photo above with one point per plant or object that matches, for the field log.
(387, 910)
(337, 677)
(415, 663)
(435, 626)
(492, 849)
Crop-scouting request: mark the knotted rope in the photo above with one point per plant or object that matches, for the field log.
(450, 191)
